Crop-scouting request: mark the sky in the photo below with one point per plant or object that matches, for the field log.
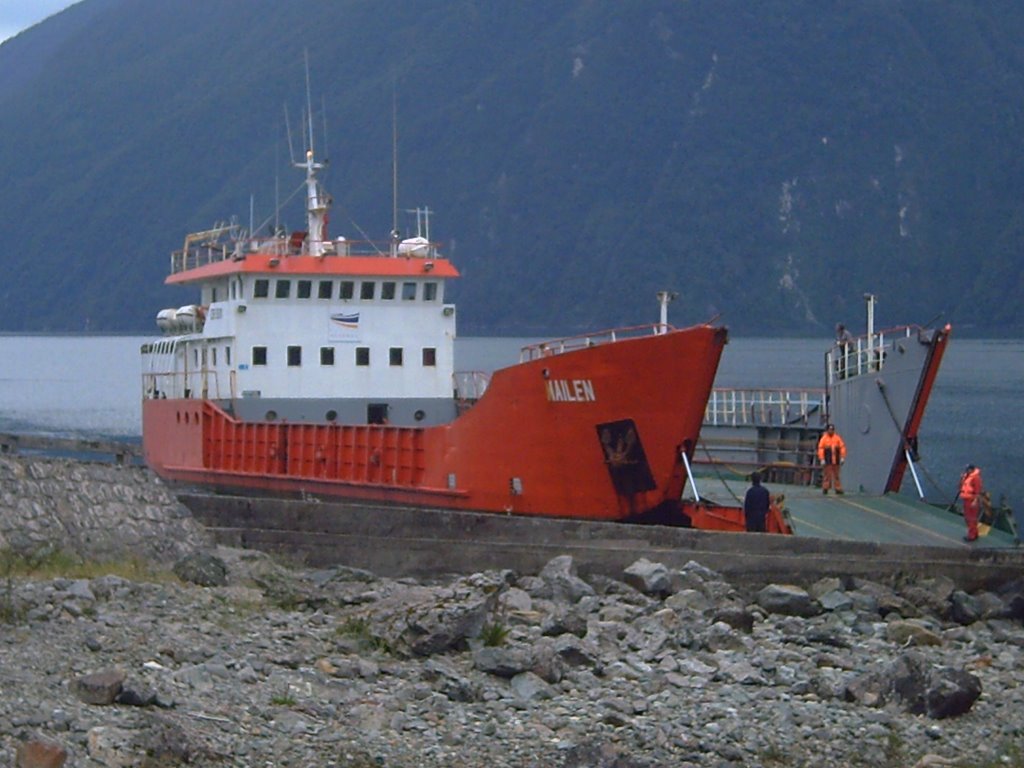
(16, 15)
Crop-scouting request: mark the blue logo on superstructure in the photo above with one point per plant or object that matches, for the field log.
(346, 320)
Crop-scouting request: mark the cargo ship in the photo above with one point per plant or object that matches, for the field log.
(314, 366)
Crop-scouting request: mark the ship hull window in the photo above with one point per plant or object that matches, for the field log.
(294, 356)
(387, 291)
(325, 289)
(429, 291)
(395, 356)
(283, 289)
(259, 355)
(362, 356)
(346, 289)
(326, 355)
(408, 291)
(261, 289)
(304, 289)
(367, 290)
(429, 357)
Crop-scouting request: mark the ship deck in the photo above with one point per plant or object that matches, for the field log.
(889, 519)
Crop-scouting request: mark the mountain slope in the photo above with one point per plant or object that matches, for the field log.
(770, 162)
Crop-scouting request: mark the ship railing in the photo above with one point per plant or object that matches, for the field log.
(223, 243)
(738, 407)
(864, 354)
(198, 384)
(570, 343)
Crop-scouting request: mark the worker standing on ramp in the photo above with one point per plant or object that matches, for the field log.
(970, 492)
(832, 455)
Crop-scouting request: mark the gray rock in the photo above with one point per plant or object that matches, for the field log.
(528, 687)
(202, 568)
(100, 688)
(504, 661)
(835, 600)
(561, 582)
(964, 608)
(911, 632)
(951, 692)
(650, 578)
(788, 600)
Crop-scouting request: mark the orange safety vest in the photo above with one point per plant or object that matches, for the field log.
(970, 484)
(831, 449)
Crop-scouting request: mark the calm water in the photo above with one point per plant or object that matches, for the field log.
(90, 386)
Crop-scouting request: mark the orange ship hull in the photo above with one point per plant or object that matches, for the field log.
(594, 433)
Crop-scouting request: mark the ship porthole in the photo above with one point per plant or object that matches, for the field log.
(419, 415)
(332, 415)
(271, 416)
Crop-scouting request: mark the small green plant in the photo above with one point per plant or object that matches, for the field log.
(12, 565)
(894, 749)
(48, 562)
(45, 561)
(359, 629)
(494, 634)
(283, 700)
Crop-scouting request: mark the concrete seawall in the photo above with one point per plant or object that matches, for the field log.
(416, 542)
(103, 510)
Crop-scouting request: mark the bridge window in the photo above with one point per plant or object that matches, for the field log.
(261, 289)
(326, 355)
(259, 355)
(362, 355)
(395, 356)
(367, 290)
(408, 291)
(346, 290)
(429, 291)
(429, 357)
(304, 289)
(325, 290)
(283, 289)
(387, 291)
(294, 356)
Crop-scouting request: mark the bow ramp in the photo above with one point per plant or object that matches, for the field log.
(892, 518)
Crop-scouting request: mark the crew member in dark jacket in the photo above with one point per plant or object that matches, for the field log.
(756, 504)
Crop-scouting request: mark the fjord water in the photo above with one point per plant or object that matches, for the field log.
(90, 386)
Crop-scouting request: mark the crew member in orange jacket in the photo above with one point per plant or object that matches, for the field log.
(970, 492)
(831, 454)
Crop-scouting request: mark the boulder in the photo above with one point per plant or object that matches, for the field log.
(789, 600)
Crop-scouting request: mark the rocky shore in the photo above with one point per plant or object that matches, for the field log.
(223, 657)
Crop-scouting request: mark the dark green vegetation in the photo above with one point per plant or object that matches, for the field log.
(769, 161)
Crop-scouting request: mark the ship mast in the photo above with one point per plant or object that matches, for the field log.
(664, 297)
(317, 201)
